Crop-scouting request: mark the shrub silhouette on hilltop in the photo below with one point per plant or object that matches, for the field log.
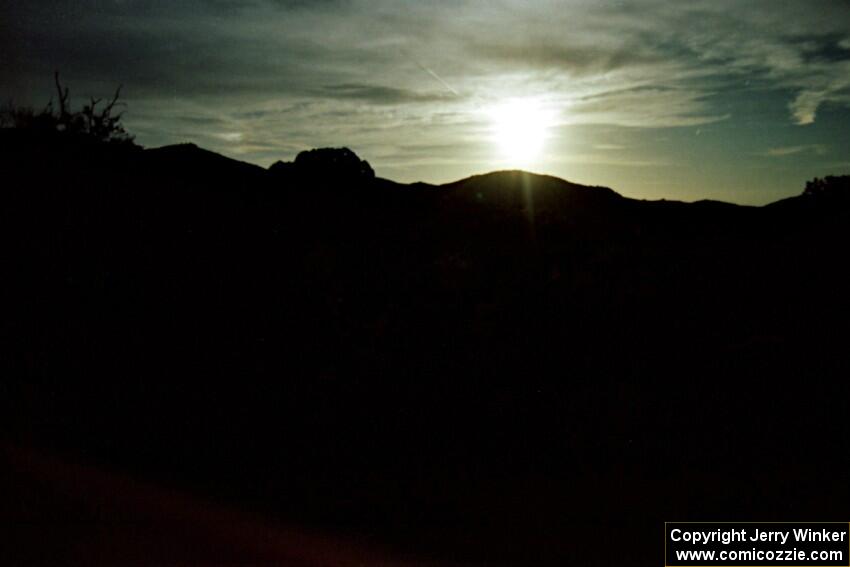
(327, 164)
(831, 187)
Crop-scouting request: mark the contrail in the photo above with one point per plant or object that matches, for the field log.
(436, 76)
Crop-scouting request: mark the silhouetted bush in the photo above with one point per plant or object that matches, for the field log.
(830, 185)
(94, 122)
(341, 161)
(333, 166)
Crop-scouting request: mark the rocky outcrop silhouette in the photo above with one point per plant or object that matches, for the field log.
(339, 165)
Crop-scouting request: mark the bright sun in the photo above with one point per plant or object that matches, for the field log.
(519, 128)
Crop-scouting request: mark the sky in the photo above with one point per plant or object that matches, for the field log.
(736, 100)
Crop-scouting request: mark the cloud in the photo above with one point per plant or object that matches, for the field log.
(793, 150)
(799, 47)
(377, 94)
(804, 107)
(659, 106)
(609, 147)
(289, 74)
(578, 59)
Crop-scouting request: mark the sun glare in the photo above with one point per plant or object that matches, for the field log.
(520, 128)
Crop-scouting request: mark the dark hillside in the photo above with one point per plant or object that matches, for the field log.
(487, 370)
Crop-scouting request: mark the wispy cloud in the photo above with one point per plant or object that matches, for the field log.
(670, 53)
(783, 151)
(376, 74)
(609, 147)
(378, 94)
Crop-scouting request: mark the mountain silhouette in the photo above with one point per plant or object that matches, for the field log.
(493, 369)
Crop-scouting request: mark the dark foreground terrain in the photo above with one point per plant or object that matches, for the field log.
(508, 369)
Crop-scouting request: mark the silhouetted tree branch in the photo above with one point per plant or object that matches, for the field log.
(99, 124)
